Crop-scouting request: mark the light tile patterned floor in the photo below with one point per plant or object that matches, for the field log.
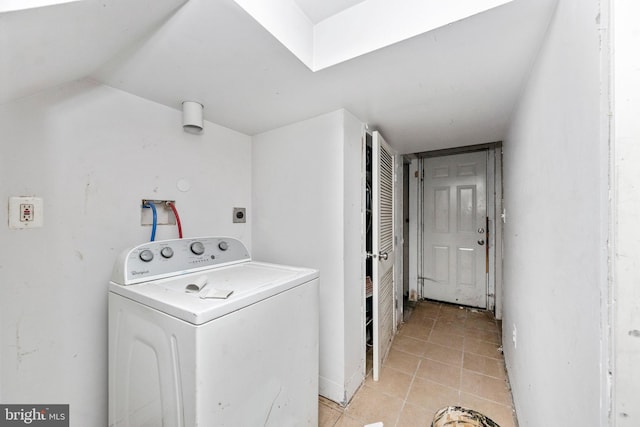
(443, 355)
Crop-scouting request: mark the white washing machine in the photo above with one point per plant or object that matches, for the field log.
(201, 335)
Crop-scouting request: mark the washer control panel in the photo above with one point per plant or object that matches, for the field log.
(167, 258)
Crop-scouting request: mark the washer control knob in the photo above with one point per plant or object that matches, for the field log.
(166, 252)
(223, 245)
(146, 255)
(197, 248)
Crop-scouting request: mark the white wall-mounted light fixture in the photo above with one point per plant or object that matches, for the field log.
(192, 118)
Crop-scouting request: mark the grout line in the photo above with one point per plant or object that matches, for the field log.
(406, 396)
(464, 348)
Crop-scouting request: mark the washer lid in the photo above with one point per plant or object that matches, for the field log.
(197, 297)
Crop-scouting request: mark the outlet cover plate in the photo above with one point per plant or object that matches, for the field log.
(14, 212)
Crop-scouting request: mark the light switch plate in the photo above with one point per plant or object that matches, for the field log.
(19, 218)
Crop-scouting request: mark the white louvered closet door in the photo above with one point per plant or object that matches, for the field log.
(383, 251)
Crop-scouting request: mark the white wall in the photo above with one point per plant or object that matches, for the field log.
(307, 199)
(555, 248)
(626, 271)
(93, 153)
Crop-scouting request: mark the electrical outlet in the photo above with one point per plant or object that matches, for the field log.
(239, 215)
(25, 212)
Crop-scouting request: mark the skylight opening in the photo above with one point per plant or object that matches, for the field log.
(361, 28)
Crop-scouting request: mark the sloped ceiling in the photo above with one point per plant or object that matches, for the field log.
(453, 86)
(46, 46)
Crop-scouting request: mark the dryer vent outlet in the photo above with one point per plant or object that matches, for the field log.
(239, 215)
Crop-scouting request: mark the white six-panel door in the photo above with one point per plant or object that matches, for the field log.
(455, 229)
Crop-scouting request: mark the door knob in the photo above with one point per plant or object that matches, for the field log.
(383, 255)
(481, 242)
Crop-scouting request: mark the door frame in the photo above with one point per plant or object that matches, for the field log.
(495, 213)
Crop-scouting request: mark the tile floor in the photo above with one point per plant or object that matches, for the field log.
(443, 355)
